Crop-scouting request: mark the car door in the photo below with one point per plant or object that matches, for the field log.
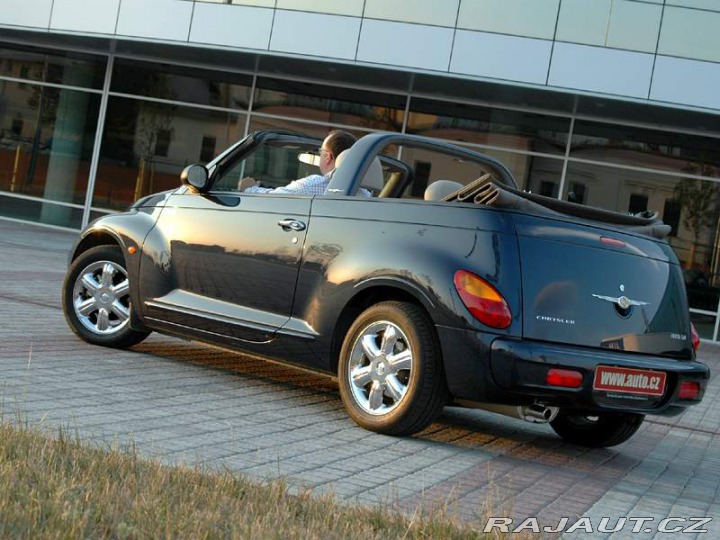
(233, 258)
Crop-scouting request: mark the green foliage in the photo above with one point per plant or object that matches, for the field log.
(697, 198)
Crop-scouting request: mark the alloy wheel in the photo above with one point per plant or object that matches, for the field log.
(381, 363)
(101, 298)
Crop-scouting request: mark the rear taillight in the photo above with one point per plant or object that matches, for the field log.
(689, 390)
(482, 300)
(568, 378)
(695, 337)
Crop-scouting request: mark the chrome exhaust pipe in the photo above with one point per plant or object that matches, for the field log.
(536, 413)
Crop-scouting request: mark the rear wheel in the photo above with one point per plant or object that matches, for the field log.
(390, 371)
(96, 298)
(597, 431)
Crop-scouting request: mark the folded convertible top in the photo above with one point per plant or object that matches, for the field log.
(485, 191)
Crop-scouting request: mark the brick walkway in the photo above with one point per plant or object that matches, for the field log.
(182, 401)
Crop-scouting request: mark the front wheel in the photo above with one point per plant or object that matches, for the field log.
(96, 299)
(597, 431)
(390, 370)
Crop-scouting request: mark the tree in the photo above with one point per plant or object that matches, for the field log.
(696, 199)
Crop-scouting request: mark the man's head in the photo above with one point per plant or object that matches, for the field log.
(334, 143)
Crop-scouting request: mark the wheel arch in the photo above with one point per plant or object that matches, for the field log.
(91, 250)
(370, 295)
(107, 236)
(94, 238)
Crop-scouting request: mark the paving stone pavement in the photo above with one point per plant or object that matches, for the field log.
(187, 402)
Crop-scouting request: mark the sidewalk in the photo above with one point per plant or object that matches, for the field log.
(183, 401)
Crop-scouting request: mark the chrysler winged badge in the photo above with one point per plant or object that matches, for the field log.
(623, 301)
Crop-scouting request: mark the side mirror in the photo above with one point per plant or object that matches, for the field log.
(195, 176)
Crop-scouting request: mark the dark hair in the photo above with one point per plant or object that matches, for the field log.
(338, 140)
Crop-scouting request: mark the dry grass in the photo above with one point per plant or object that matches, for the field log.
(57, 487)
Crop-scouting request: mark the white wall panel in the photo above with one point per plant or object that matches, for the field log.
(409, 45)
(584, 21)
(690, 33)
(688, 82)
(435, 12)
(34, 13)
(501, 57)
(332, 7)
(610, 23)
(256, 3)
(233, 26)
(601, 70)
(712, 5)
(98, 16)
(315, 34)
(634, 26)
(530, 18)
(158, 19)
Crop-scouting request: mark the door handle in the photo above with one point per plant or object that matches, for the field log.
(291, 224)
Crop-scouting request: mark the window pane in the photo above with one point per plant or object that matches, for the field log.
(273, 165)
(431, 166)
(493, 93)
(340, 73)
(40, 212)
(259, 123)
(333, 105)
(608, 109)
(638, 203)
(528, 171)
(95, 214)
(146, 145)
(690, 206)
(182, 83)
(47, 138)
(651, 148)
(217, 59)
(58, 67)
(704, 324)
(488, 126)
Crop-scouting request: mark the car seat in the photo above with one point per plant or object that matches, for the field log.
(440, 189)
(374, 179)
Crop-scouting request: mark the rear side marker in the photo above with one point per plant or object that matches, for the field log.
(695, 338)
(482, 300)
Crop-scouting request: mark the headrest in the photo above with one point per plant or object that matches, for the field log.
(340, 157)
(440, 189)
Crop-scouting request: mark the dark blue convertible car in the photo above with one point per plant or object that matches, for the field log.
(456, 290)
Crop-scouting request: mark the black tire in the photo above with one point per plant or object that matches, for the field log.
(409, 394)
(597, 431)
(105, 318)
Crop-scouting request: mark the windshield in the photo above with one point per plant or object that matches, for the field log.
(273, 164)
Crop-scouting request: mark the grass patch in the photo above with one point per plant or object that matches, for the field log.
(58, 487)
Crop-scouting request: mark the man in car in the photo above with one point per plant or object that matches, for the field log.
(315, 184)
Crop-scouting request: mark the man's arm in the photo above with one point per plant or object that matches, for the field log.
(314, 184)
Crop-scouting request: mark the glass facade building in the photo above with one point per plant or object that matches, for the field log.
(609, 103)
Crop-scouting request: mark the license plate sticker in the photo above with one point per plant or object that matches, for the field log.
(629, 381)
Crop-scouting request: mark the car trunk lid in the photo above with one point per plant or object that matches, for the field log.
(598, 286)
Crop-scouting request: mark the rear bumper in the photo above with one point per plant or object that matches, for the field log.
(500, 370)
